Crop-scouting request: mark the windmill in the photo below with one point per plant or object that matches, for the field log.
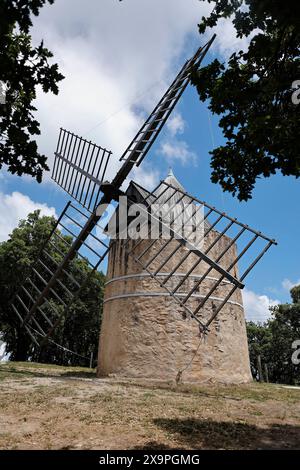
(190, 271)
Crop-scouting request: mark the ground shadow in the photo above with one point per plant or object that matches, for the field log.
(23, 372)
(152, 445)
(34, 373)
(78, 374)
(208, 434)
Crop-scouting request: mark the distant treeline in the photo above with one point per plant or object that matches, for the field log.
(273, 346)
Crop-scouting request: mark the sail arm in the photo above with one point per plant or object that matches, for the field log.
(146, 136)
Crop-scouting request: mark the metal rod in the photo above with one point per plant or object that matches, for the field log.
(147, 222)
(51, 305)
(90, 181)
(242, 252)
(235, 261)
(55, 161)
(199, 260)
(89, 276)
(166, 244)
(74, 165)
(98, 172)
(88, 171)
(64, 254)
(227, 216)
(256, 261)
(63, 152)
(173, 296)
(153, 258)
(62, 143)
(83, 168)
(235, 288)
(70, 163)
(188, 253)
(77, 173)
(62, 175)
(59, 282)
(220, 307)
(64, 272)
(133, 157)
(27, 329)
(90, 234)
(99, 189)
(161, 112)
(45, 243)
(67, 258)
(176, 248)
(217, 260)
(202, 255)
(34, 320)
(39, 308)
(51, 289)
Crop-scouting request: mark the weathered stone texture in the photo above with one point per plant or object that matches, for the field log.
(146, 334)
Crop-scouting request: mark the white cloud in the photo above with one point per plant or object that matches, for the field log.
(257, 306)
(226, 41)
(173, 148)
(176, 124)
(287, 284)
(118, 58)
(178, 150)
(147, 179)
(16, 206)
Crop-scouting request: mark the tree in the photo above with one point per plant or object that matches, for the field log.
(295, 293)
(23, 68)
(16, 257)
(252, 94)
(273, 341)
(79, 329)
(259, 342)
(285, 329)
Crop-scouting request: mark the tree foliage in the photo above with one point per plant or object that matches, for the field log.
(273, 342)
(79, 329)
(23, 68)
(252, 93)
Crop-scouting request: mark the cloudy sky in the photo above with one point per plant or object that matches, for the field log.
(118, 58)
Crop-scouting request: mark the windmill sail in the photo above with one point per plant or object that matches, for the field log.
(80, 167)
(144, 139)
(65, 264)
(224, 242)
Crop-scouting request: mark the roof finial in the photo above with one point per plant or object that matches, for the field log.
(170, 172)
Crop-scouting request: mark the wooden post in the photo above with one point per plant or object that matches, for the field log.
(91, 360)
(259, 369)
(266, 372)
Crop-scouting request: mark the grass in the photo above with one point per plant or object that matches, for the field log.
(23, 370)
(45, 406)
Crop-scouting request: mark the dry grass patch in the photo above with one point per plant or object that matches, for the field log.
(52, 407)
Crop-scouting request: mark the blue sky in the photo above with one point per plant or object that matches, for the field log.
(115, 72)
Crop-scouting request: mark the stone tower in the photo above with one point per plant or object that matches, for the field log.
(145, 333)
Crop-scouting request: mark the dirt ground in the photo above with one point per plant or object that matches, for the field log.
(51, 407)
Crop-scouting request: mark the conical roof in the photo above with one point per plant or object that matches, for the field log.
(174, 200)
(169, 196)
(171, 204)
(180, 209)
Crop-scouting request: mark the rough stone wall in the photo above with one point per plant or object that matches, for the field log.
(145, 333)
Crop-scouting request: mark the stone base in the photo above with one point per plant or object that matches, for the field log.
(157, 343)
(146, 334)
